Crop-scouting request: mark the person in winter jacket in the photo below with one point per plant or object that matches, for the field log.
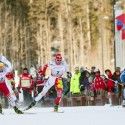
(27, 86)
(118, 88)
(110, 84)
(74, 83)
(84, 80)
(98, 83)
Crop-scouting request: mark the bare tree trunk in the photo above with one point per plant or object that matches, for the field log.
(5, 31)
(48, 36)
(82, 57)
(88, 26)
(69, 35)
(61, 29)
(41, 45)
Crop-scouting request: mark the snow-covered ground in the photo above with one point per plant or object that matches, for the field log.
(87, 115)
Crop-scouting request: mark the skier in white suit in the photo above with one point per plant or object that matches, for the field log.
(6, 67)
(58, 67)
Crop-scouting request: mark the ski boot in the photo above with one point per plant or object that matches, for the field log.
(56, 108)
(17, 110)
(1, 109)
(31, 105)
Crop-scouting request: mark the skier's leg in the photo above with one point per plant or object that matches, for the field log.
(50, 82)
(59, 89)
(6, 92)
(58, 99)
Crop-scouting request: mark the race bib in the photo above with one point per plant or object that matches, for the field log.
(25, 83)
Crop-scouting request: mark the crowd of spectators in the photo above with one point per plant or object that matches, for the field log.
(82, 82)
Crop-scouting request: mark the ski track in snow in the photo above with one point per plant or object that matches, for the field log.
(86, 115)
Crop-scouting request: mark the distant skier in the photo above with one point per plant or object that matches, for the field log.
(58, 67)
(6, 67)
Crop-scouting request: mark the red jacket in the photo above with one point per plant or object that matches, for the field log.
(26, 82)
(39, 80)
(99, 83)
(42, 70)
(41, 75)
(110, 83)
(10, 76)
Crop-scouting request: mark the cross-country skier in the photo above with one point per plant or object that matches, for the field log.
(58, 67)
(6, 67)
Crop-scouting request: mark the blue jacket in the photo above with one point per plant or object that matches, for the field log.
(122, 77)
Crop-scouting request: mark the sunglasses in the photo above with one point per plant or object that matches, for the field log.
(58, 60)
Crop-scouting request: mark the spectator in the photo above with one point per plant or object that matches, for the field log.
(98, 83)
(82, 69)
(26, 84)
(118, 88)
(74, 83)
(92, 74)
(110, 85)
(84, 80)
